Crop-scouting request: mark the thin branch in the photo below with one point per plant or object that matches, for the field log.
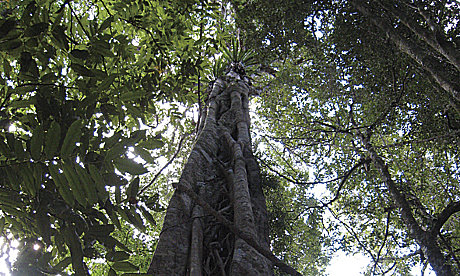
(79, 22)
(178, 150)
(405, 257)
(45, 84)
(451, 251)
(389, 269)
(297, 182)
(107, 9)
(383, 242)
(342, 183)
(353, 233)
(421, 141)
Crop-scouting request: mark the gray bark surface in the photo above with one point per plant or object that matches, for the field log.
(223, 172)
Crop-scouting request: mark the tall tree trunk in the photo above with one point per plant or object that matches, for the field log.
(427, 240)
(223, 172)
(434, 36)
(427, 61)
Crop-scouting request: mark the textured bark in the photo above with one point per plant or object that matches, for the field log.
(222, 172)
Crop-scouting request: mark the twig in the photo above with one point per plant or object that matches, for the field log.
(353, 233)
(403, 143)
(383, 242)
(179, 148)
(79, 22)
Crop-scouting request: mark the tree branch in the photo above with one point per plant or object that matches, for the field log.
(179, 147)
(444, 216)
(387, 228)
(427, 61)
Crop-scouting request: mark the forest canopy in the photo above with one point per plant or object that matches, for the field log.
(355, 127)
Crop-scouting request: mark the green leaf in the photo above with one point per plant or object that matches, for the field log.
(135, 218)
(36, 29)
(101, 230)
(74, 244)
(152, 144)
(28, 13)
(43, 223)
(109, 109)
(74, 183)
(117, 194)
(2, 224)
(61, 184)
(130, 96)
(99, 74)
(107, 82)
(109, 208)
(147, 215)
(13, 211)
(124, 266)
(36, 142)
(53, 138)
(7, 26)
(133, 188)
(110, 242)
(63, 264)
(71, 138)
(60, 40)
(22, 103)
(115, 152)
(82, 70)
(10, 45)
(117, 256)
(87, 183)
(106, 24)
(144, 154)
(48, 78)
(19, 150)
(4, 149)
(137, 274)
(80, 54)
(126, 165)
(99, 182)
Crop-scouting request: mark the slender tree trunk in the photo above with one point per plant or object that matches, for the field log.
(434, 37)
(428, 62)
(223, 172)
(427, 240)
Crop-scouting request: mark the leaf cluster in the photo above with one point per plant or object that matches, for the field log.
(82, 88)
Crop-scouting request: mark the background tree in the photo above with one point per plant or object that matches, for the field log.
(365, 107)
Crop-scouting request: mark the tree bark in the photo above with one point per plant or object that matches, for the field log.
(443, 77)
(222, 172)
(434, 37)
(427, 240)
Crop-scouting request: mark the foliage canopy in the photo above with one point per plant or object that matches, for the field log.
(96, 95)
